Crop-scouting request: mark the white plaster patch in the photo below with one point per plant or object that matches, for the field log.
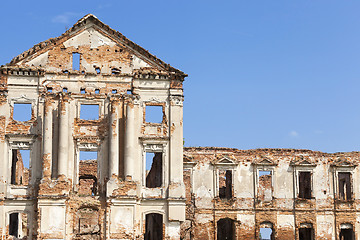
(89, 36)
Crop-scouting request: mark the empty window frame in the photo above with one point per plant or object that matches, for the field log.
(225, 229)
(154, 114)
(265, 188)
(266, 231)
(344, 184)
(20, 167)
(76, 61)
(153, 226)
(225, 184)
(88, 173)
(306, 231)
(89, 111)
(305, 188)
(153, 169)
(14, 224)
(346, 232)
(22, 112)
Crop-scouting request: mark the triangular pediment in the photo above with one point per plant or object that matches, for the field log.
(342, 162)
(265, 161)
(101, 49)
(302, 161)
(224, 160)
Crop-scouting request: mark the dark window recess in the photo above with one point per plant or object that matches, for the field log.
(344, 186)
(153, 170)
(265, 186)
(97, 91)
(82, 91)
(347, 234)
(76, 61)
(98, 71)
(153, 227)
(14, 225)
(88, 173)
(305, 185)
(225, 229)
(89, 111)
(305, 234)
(20, 165)
(49, 90)
(128, 92)
(225, 184)
(154, 114)
(114, 91)
(65, 90)
(22, 112)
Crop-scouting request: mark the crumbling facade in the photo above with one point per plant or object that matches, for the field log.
(91, 143)
(91, 140)
(277, 193)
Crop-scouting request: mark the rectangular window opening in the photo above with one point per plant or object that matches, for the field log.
(22, 112)
(347, 234)
(154, 114)
(153, 169)
(20, 167)
(225, 184)
(344, 186)
(76, 61)
(305, 185)
(89, 111)
(153, 227)
(14, 224)
(265, 186)
(305, 234)
(88, 173)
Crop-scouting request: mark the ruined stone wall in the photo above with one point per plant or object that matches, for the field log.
(271, 200)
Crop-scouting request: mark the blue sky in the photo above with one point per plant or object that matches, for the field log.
(261, 73)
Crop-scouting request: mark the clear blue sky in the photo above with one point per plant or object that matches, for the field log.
(264, 73)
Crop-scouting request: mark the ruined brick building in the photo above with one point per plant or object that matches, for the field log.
(91, 143)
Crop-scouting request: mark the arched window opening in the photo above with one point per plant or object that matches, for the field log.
(346, 232)
(153, 226)
(306, 231)
(225, 229)
(267, 231)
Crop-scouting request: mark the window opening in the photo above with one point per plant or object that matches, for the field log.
(225, 184)
(115, 71)
(114, 91)
(153, 169)
(76, 61)
(97, 91)
(89, 111)
(153, 114)
(22, 112)
(49, 89)
(88, 173)
(305, 185)
(20, 167)
(265, 186)
(266, 231)
(98, 71)
(153, 227)
(306, 232)
(128, 91)
(82, 90)
(346, 232)
(65, 90)
(225, 229)
(14, 224)
(344, 185)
